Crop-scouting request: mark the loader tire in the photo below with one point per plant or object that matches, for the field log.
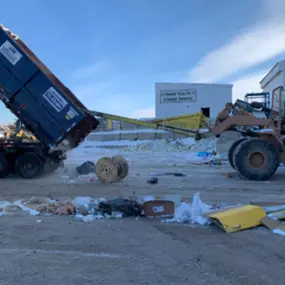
(256, 159)
(29, 165)
(232, 150)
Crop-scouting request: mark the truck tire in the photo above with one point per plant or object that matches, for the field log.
(29, 165)
(4, 166)
(232, 150)
(256, 159)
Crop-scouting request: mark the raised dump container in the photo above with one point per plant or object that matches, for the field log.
(37, 97)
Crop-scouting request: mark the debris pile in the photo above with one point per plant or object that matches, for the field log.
(168, 208)
(126, 206)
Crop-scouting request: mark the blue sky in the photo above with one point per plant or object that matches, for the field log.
(111, 52)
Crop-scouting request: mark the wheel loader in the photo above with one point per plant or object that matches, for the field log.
(260, 150)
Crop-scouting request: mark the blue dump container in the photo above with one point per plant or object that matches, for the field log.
(37, 97)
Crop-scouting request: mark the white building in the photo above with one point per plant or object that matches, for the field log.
(176, 99)
(274, 78)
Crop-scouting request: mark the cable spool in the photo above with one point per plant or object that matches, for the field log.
(110, 170)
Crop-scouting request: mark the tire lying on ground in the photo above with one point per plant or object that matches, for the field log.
(256, 159)
(29, 165)
(232, 150)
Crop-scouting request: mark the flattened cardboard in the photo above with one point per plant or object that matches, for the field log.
(275, 226)
(280, 215)
(264, 204)
(237, 218)
(270, 207)
(269, 223)
(159, 209)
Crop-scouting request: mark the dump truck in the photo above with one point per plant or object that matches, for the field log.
(44, 105)
(53, 120)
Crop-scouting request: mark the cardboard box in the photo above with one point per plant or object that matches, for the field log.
(159, 209)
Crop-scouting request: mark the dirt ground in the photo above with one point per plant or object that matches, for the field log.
(61, 250)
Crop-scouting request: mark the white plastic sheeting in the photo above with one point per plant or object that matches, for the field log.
(191, 213)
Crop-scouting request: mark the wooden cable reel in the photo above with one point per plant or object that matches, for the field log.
(110, 170)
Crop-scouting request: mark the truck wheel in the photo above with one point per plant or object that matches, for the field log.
(232, 150)
(256, 159)
(29, 165)
(4, 166)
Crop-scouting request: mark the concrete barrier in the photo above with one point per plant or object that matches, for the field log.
(146, 136)
(165, 135)
(104, 137)
(132, 135)
(128, 136)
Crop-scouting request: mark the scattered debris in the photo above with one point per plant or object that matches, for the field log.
(126, 206)
(46, 206)
(204, 154)
(86, 168)
(270, 207)
(168, 208)
(175, 198)
(279, 215)
(82, 211)
(191, 213)
(152, 180)
(198, 210)
(159, 208)
(274, 225)
(88, 218)
(11, 210)
(65, 209)
(237, 218)
(176, 174)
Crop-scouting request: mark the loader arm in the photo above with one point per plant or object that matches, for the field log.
(151, 125)
(241, 120)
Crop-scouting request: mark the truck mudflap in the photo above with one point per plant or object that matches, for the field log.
(38, 98)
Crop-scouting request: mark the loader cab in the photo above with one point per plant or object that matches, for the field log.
(263, 98)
